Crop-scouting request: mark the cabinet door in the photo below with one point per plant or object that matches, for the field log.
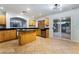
(38, 32)
(41, 24)
(47, 33)
(2, 20)
(12, 34)
(43, 33)
(1, 36)
(7, 35)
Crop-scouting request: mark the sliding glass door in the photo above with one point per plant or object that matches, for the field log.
(62, 28)
(66, 28)
(56, 28)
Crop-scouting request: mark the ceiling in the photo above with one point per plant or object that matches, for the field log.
(36, 9)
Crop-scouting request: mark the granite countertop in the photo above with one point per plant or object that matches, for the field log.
(6, 29)
(26, 30)
(15, 28)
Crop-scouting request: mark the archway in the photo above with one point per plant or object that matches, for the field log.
(18, 22)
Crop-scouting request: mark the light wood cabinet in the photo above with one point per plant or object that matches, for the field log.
(47, 33)
(12, 34)
(38, 32)
(2, 20)
(41, 24)
(7, 35)
(43, 32)
(1, 36)
(27, 37)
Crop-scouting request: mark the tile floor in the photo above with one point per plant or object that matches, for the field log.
(40, 46)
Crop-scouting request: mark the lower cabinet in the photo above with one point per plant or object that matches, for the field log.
(1, 36)
(12, 34)
(38, 32)
(43, 33)
(6, 35)
(47, 33)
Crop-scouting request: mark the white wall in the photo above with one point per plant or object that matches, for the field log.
(74, 14)
(10, 15)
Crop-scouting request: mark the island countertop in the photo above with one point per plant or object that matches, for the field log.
(27, 36)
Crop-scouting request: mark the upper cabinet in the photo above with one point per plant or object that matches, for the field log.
(47, 22)
(2, 20)
(2, 17)
(43, 23)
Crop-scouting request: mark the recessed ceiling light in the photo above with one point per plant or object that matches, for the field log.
(40, 14)
(1, 8)
(21, 13)
(28, 9)
(50, 6)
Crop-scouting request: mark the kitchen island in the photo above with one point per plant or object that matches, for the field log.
(27, 36)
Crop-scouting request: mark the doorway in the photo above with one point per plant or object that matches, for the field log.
(66, 28)
(56, 28)
(62, 28)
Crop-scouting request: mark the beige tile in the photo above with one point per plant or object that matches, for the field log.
(40, 46)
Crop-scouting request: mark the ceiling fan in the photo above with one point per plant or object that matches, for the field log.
(56, 7)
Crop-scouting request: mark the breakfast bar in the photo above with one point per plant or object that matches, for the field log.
(26, 36)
